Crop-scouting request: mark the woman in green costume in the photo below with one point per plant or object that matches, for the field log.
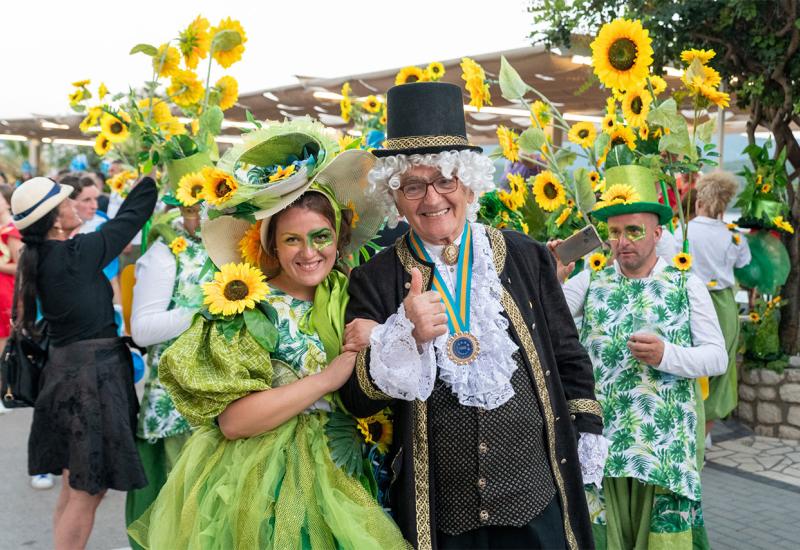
(257, 370)
(716, 249)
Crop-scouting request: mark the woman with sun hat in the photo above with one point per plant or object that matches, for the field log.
(257, 370)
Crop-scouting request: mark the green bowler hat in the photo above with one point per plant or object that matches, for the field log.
(643, 182)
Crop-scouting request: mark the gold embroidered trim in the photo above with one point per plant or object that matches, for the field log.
(420, 447)
(414, 142)
(366, 385)
(544, 398)
(588, 406)
(498, 244)
(421, 477)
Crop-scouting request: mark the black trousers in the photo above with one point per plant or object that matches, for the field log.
(545, 532)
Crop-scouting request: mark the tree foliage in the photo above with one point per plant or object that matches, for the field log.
(758, 54)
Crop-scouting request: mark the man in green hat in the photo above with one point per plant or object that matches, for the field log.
(651, 330)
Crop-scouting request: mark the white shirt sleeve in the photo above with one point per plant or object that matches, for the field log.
(743, 257)
(575, 292)
(397, 366)
(708, 356)
(151, 321)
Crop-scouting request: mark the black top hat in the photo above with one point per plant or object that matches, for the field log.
(424, 117)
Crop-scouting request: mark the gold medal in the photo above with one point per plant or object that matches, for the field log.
(462, 348)
(450, 254)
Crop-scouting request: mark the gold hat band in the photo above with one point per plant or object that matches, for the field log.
(415, 142)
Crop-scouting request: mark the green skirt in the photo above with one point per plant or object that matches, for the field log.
(276, 490)
(723, 390)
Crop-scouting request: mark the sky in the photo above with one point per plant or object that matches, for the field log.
(46, 45)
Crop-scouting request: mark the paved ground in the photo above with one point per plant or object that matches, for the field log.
(750, 499)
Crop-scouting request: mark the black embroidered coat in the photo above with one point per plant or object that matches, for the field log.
(542, 327)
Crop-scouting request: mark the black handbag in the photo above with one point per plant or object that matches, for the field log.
(21, 367)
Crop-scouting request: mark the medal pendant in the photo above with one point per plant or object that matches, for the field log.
(450, 254)
(462, 348)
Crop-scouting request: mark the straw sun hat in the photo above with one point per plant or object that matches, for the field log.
(341, 177)
(36, 197)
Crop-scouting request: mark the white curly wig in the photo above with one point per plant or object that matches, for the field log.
(473, 170)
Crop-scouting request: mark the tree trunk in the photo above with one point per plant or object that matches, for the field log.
(790, 315)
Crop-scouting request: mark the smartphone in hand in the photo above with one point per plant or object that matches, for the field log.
(578, 245)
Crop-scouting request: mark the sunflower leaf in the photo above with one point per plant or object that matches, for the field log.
(230, 327)
(531, 140)
(146, 49)
(261, 329)
(565, 158)
(584, 195)
(512, 86)
(600, 144)
(705, 130)
(225, 41)
(211, 122)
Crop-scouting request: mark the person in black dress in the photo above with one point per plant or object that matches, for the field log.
(85, 415)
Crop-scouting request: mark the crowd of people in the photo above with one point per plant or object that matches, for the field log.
(487, 399)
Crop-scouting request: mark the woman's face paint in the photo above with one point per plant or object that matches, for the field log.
(306, 251)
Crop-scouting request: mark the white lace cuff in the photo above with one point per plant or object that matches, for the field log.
(592, 454)
(396, 365)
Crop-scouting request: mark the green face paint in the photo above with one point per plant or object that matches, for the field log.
(320, 239)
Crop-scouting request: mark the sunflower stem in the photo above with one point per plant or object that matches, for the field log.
(208, 75)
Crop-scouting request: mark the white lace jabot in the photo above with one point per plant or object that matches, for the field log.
(403, 370)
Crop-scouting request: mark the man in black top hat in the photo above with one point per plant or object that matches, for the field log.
(473, 346)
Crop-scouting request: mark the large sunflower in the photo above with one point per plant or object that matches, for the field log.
(609, 123)
(119, 183)
(597, 261)
(508, 142)
(227, 57)
(115, 128)
(687, 56)
(475, 78)
(371, 104)
(250, 245)
(435, 71)
(190, 189)
(166, 62)
(185, 88)
(515, 198)
(622, 54)
(540, 114)
(102, 145)
(622, 135)
(194, 42)
(91, 119)
(548, 191)
(636, 106)
(658, 84)
(377, 430)
(156, 109)
(619, 193)
(582, 133)
(720, 99)
(682, 261)
(235, 287)
(218, 186)
(410, 74)
(228, 90)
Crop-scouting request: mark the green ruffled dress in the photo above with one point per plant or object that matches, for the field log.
(279, 489)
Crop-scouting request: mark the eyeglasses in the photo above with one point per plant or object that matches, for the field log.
(633, 233)
(415, 189)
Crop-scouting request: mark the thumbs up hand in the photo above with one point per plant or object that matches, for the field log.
(425, 310)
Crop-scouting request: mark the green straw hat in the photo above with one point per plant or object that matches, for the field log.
(635, 192)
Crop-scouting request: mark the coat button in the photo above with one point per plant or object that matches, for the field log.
(558, 418)
(484, 515)
(482, 483)
(563, 461)
(483, 448)
(547, 373)
(572, 417)
(533, 326)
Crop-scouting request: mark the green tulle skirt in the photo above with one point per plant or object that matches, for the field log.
(277, 490)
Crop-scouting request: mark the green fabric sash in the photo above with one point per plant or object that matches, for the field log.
(326, 317)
